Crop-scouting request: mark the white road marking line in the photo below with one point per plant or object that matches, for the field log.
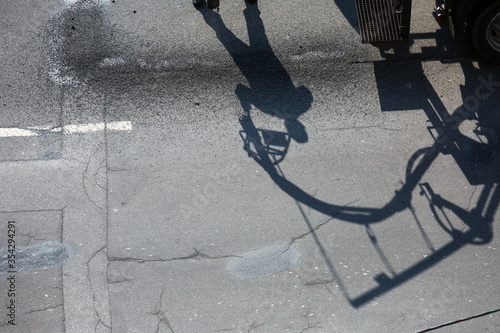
(68, 129)
(13, 132)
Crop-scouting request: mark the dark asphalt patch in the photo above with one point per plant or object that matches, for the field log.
(42, 255)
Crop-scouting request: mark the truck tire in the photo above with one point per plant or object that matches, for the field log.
(486, 33)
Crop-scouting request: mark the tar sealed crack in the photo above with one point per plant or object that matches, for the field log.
(318, 282)
(195, 255)
(110, 281)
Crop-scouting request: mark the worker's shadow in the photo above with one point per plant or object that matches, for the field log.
(271, 89)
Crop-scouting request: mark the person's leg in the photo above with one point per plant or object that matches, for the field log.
(245, 96)
(198, 3)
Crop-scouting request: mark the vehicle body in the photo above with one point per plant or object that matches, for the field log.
(478, 18)
(387, 22)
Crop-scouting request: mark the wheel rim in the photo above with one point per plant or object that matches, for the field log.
(493, 33)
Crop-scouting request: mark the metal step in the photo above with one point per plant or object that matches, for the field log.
(384, 22)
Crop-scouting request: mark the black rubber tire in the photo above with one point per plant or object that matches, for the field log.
(480, 32)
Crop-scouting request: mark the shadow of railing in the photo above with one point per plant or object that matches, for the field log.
(403, 87)
(273, 92)
(475, 158)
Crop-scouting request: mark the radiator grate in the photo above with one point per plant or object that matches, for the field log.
(379, 21)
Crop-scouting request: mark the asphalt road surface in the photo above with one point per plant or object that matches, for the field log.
(256, 169)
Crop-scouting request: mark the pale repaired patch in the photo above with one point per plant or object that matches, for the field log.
(265, 261)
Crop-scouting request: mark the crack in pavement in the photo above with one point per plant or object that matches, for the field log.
(96, 173)
(421, 59)
(432, 72)
(31, 237)
(318, 282)
(158, 312)
(470, 199)
(317, 227)
(253, 326)
(99, 317)
(119, 281)
(85, 176)
(366, 127)
(307, 316)
(314, 282)
(45, 309)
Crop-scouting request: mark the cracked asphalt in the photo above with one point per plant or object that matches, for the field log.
(168, 169)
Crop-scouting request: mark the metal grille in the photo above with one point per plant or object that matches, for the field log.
(378, 21)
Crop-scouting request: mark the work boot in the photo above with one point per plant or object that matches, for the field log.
(213, 4)
(198, 3)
